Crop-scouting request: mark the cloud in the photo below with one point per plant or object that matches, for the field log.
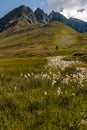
(57, 4)
(70, 8)
(75, 14)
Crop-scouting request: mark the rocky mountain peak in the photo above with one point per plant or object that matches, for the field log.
(23, 12)
(41, 16)
(23, 7)
(27, 16)
(55, 16)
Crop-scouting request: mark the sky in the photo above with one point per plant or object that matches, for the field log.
(69, 8)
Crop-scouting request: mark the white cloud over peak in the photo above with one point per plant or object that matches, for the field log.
(70, 8)
(75, 14)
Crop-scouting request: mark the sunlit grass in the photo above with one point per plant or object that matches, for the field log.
(40, 93)
(35, 96)
(40, 39)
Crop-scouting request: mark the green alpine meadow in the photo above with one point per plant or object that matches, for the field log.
(43, 76)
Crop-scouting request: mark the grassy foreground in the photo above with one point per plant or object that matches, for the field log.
(34, 96)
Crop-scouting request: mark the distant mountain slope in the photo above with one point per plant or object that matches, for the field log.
(55, 16)
(76, 24)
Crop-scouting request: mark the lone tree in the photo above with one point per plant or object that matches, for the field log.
(57, 47)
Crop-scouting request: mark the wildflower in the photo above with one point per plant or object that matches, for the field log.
(83, 122)
(65, 80)
(25, 76)
(15, 88)
(82, 85)
(59, 91)
(58, 61)
(73, 94)
(82, 113)
(53, 82)
(32, 73)
(21, 74)
(45, 93)
(28, 75)
(44, 75)
(50, 72)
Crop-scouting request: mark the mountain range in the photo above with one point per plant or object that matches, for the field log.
(25, 15)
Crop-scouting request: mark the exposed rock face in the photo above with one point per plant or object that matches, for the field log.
(41, 16)
(55, 16)
(23, 12)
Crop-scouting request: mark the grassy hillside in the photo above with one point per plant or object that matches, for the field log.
(43, 93)
(29, 40)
